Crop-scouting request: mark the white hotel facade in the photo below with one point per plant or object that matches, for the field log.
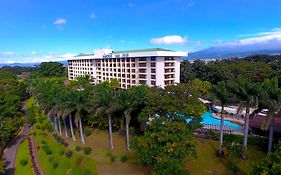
(153, 67)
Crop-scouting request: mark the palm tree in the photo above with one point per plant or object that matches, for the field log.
(221, 93)
(129, 101)
(246, 95)
(104, 104)
(271, 98)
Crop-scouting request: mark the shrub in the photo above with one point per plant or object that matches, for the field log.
(123, 158)
(55, 165)
(79, 160)
(23, 162)
(43, 142)
(78, 148)
(87, 132)
(87, 150)
(112, 158)
(61, 152)
(47, 149)
(69, 154)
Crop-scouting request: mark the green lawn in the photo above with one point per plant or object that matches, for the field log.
(23, 153)
(207, 163)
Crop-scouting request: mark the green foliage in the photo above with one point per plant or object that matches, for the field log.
(69, 154)
(111, 156)
(271, 165)
(123, 158)
(43, 142)
(2, 166)
(87, 132)
(55, 165)
(50, 69)
(78, 148)
(47, 149)
(23, 162)
(87, 150)
(225, 70)
(165, 145)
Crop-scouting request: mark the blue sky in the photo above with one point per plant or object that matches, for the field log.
(40, 30)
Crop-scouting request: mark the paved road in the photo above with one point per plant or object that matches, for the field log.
(10, 152)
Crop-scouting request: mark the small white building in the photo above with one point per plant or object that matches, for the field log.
(154, 67)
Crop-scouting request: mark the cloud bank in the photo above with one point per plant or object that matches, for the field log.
(170, 40)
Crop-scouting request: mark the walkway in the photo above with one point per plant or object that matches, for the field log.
(9, 155)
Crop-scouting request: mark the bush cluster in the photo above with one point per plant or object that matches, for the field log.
(111, 156)
(47, 149)
(23, 162)
(87, 132)
(123, 158)
(69, 154)
(60, 140)
(87, 150)
(78, 148)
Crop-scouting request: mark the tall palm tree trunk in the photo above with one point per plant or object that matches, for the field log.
(110, 132)
(56, 124)
(246, 130)
(71, 128)
(81, 131)
(221, 131)
(59, 126)
(270, 137)
(128, 118)
(65, 128)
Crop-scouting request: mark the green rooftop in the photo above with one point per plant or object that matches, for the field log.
(128, 51)
(141, 50)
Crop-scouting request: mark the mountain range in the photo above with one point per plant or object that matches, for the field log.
(238, 50)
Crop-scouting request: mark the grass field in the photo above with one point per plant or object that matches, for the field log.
(23, 153)
(207, 163)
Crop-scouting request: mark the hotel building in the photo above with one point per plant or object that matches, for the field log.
(153, 67)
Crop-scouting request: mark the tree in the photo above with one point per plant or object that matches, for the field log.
(105, 105)
(186, 73)
(245, 92)
(165, 145)
(270, 95)
(271, 165)
(50, 69)
(129, 101)
(221, 93)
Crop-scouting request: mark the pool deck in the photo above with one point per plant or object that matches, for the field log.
(232, 119)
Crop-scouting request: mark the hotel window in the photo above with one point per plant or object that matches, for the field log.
(152, 58)
(153, 71)
(142, 64)
(153, 83)
(133, 71)
(153, 76)
(142, 82)
(133, 76)
(133, 81)
(142, 59)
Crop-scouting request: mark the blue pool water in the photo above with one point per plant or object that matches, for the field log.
(209, 119)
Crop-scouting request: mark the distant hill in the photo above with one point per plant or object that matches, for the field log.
(27, 64)
(228, 51)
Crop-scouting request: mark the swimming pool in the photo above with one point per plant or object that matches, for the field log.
(209, 119)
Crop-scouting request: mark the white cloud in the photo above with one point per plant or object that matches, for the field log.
(261, 37)
(93, 15)
(131, 5)
(33, 57)
(169, 40)
(60, 21)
